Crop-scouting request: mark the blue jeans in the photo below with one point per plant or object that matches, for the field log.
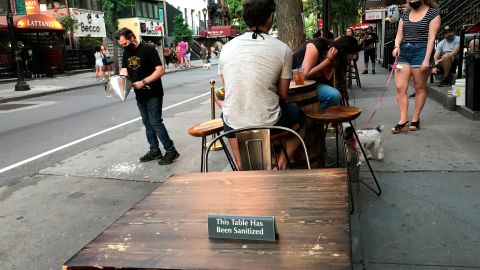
(151, 112)
(328, 96)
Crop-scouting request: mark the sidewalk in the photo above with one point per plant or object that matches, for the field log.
(63, 83)
(427, 216)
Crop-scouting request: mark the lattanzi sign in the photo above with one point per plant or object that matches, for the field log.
(241, 227)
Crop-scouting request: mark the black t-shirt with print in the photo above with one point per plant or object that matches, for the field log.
(141, 63)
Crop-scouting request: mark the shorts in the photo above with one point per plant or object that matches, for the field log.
(290, 114)
(99, 63)
(413, 54)
(370, 54)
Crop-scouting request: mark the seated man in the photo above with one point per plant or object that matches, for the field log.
(255, 70)
(446, 55)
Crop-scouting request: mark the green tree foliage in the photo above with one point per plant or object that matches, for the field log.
(111, 8)
(181, 30)
(89, 42)
(235, 9)
(68, 22)
(343, 13)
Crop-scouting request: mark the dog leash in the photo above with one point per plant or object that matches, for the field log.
(380, 98)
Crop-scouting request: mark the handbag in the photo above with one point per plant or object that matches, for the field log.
(108, 60)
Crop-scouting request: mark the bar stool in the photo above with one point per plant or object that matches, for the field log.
(211, 127)
(337, 115)
(352, 73)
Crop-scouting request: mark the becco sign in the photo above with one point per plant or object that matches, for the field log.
(32, 7)
(89, 23)
(150, 28)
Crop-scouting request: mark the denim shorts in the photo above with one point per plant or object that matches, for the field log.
(290, 114)
(413, 54)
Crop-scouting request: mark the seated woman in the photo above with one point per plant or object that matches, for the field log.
(319, 58)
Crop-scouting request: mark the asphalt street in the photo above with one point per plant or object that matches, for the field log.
(55, 120)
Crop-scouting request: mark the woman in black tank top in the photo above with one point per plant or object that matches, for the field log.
(414, 53)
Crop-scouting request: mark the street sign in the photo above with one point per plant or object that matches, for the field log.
(20, 7)
(241, 227)
(393, 13)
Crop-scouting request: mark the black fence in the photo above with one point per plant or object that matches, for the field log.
(79, 59)
(7, 67)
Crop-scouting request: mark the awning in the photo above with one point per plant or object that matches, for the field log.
(359, 26)
(38, 22)
(34, 22)
(222, 31)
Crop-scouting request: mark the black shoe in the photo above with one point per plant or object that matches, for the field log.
(412, 95)
(445, 82)
(169, 157)
(373, 71)
(365, 72)
(151, 155)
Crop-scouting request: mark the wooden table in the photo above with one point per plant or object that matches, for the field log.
(168, 229)
(305, 96)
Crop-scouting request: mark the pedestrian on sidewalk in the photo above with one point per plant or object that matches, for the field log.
(414, 44)
(369, 42)
(142, 64)
(107, 62)
(166, 53)
(99, 68)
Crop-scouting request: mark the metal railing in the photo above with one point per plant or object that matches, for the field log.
(79, 59)
(7, 67)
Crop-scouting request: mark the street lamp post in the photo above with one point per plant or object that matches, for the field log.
(21, 84)
(204, 11)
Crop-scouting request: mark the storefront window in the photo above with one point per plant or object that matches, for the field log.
(150, 10)
(155, 10)
(144, 9)
(138, 9)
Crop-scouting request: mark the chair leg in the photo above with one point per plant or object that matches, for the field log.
(204, 141)
(229, 157)
(357, 76)
(336, 144)
(368, 163)
(349, 182)
(289, 164)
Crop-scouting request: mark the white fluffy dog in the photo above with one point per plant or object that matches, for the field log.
(207, 65)
(369, 138)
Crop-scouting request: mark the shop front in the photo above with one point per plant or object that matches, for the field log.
(148, 30)
(39, 44)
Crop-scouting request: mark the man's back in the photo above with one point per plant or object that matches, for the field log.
(251, 69)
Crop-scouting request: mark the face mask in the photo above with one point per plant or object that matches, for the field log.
(130, 47)
(415, 5)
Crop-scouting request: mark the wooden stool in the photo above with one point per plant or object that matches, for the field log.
(205, 129)
(340, 114)
(352, 73)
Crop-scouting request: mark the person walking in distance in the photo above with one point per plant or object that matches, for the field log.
(413, 49)
(99, 68)
(143, 66)
(369, 42)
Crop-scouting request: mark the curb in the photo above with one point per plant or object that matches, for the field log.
(33, 95)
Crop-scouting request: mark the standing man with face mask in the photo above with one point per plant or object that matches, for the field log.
(142, 65)
(446, 55)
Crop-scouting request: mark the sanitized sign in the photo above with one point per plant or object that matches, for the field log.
(241, 227)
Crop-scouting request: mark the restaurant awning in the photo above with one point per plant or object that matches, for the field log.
(32, 22)
(359, 26)
(222, 31)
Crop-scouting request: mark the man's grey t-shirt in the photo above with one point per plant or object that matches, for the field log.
(251, 69)
(445, 46)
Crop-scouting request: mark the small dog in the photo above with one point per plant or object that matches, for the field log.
(369, 138)
(207, 65)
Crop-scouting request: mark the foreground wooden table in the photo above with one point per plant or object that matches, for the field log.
(168, 229)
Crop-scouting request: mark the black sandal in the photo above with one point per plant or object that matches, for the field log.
(414, 126)
(399, 128)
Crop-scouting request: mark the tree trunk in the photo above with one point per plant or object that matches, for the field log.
(290, 26)
(116, 67)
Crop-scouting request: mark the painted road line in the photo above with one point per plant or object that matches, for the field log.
(91, 136)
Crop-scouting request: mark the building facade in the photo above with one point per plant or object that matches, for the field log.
(194, 12)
